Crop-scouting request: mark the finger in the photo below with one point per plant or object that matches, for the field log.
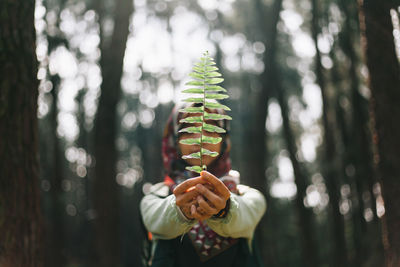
(217, 201)
(187, 212)
(217, 183)
(194, 214)
(210, 187)
(181, 188)
(201, 211)
(193, 209)
(185, 198)
(197, 215)
(205, 206)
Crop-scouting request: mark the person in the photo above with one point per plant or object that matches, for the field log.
(200, 220)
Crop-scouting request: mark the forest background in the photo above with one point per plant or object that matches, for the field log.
(87, 86)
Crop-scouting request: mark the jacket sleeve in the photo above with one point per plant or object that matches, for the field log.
(245, 212)
(162, 217)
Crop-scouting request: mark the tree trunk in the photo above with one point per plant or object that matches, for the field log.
(384, 81)
(55, 255)
(255, 138)
(348, 158)
(360, 148)
(20, 217)
(106, 191)
(340, 253)
(255, 115)
(305, 215)
(55, 239)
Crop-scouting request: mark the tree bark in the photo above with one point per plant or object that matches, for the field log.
(255, 138)
(340, 253)
(106, 191)
(360, 142)
(20, 216)
(255, 115)
(56, 238)
(384, 82)
(305, 215)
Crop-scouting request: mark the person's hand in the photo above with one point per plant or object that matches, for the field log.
(210, 199)
(186, 196)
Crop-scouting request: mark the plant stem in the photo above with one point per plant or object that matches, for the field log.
(204, 109)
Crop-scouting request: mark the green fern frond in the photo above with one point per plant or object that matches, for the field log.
(197, 169)
(205, 86)
(215, 116)
(213, 129)
(191, 141)
(216, 105)
(193, 119)
(193, 91)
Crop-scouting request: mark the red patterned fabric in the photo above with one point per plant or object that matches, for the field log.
(206, 242)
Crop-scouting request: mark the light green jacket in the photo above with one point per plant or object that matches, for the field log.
(165, 220)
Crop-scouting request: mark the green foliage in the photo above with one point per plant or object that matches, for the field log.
(207, 93)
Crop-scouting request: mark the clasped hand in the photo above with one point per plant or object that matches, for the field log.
(201, 197)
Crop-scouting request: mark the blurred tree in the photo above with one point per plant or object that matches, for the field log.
(330, 165)
(347, 161)
(55, 253)
(20, 217)
(384, 82)
(255, 140)
(305, 215)
(255, 115)
(356, 138)
(106, 191)
(361, 153)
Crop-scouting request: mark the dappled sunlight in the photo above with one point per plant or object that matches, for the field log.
(63, 63)
(283, 190)
(148, 98)
(285, 168)
(309, 142)
(396, 30)
(345, 203)
(146, 117)
(129, 121)
(68, 127)
(303, 45)
(129, 178)
(292, 20)
(316, 194)
(312, 97)
(284, 186)
(79, 160)
(165, 92)
(274, 119)
(380, 204)
(224, 6)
